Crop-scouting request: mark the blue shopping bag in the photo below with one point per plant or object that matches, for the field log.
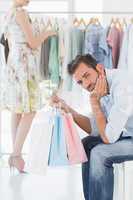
(58, 151)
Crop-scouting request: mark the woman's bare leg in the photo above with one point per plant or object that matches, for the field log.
(15, 120)
(0, 132)
(22, 132)
(15, 159)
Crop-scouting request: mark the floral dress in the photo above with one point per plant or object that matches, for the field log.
(19, 89)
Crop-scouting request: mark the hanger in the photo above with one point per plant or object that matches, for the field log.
(124, 23)
(82, 21)
(49, 24)
(76, 22)
(36, 20)
(42, 21)
(131, 20)
(42, 25)
(118, 24)
(56, 24)
(91, 21)
(113, 22)
(97, 22)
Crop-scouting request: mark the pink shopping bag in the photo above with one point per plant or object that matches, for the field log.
(75, 149)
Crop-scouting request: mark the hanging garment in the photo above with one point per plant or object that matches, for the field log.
(58, 151)
(114, 40)
(4, 42)
(123, 59)
(44, 59)
(130, 50)
(21, 92)
(40, 140)
(66, 57)
(76, 47)
(61, 44)
(76, 152)
(77, 37)
(37, 31)
(54, 61)
(43, 56)
(92, 38)
(59, 27)
(126, 58)
(2, 66)
(74, 43)
(2, 57)
(107, 50)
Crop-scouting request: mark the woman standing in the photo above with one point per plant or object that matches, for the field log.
(20, 93)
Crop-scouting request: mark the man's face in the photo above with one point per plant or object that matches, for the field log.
(86, 77)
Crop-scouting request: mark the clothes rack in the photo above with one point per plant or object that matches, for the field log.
(80, 12)
(55, 12)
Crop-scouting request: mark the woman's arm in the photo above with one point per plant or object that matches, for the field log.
(33, 41)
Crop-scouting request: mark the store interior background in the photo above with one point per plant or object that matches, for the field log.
(61, 183)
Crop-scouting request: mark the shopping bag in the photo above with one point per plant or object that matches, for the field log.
(75, 149)
(58, 152)
(40, 140)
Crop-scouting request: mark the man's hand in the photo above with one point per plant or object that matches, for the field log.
(59, 103)
(100, 90)
(82, 121)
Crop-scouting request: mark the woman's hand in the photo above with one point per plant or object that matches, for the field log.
(51, 33)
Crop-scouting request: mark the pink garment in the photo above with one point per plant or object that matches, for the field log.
(114, 40)
(75, 149)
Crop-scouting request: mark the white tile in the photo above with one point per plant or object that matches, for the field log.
(58, 184)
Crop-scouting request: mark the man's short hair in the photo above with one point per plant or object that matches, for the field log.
(87, 59)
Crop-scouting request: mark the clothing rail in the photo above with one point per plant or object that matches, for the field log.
(88, 13)
(80, 12)
(54, 12)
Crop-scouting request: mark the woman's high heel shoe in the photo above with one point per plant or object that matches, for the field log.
(16, 161)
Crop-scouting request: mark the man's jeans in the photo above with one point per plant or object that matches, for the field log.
(97, 173)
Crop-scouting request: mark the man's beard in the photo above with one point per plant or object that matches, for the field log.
(92, 86)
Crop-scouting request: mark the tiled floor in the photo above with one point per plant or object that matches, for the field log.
(58, 184)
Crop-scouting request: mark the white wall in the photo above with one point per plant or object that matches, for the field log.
(89, 5)
(50, 5)
(118, 5)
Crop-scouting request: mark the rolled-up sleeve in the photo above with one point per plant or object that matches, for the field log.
(94, 128)
(120, 112)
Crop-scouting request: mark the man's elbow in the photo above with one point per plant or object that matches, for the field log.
(105, 140)
(112, 134)
(110, 140)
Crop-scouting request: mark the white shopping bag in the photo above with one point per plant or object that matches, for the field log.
(40, 139)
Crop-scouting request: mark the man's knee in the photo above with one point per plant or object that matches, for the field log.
(99, 159)
(99, 153)
(90, 141)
